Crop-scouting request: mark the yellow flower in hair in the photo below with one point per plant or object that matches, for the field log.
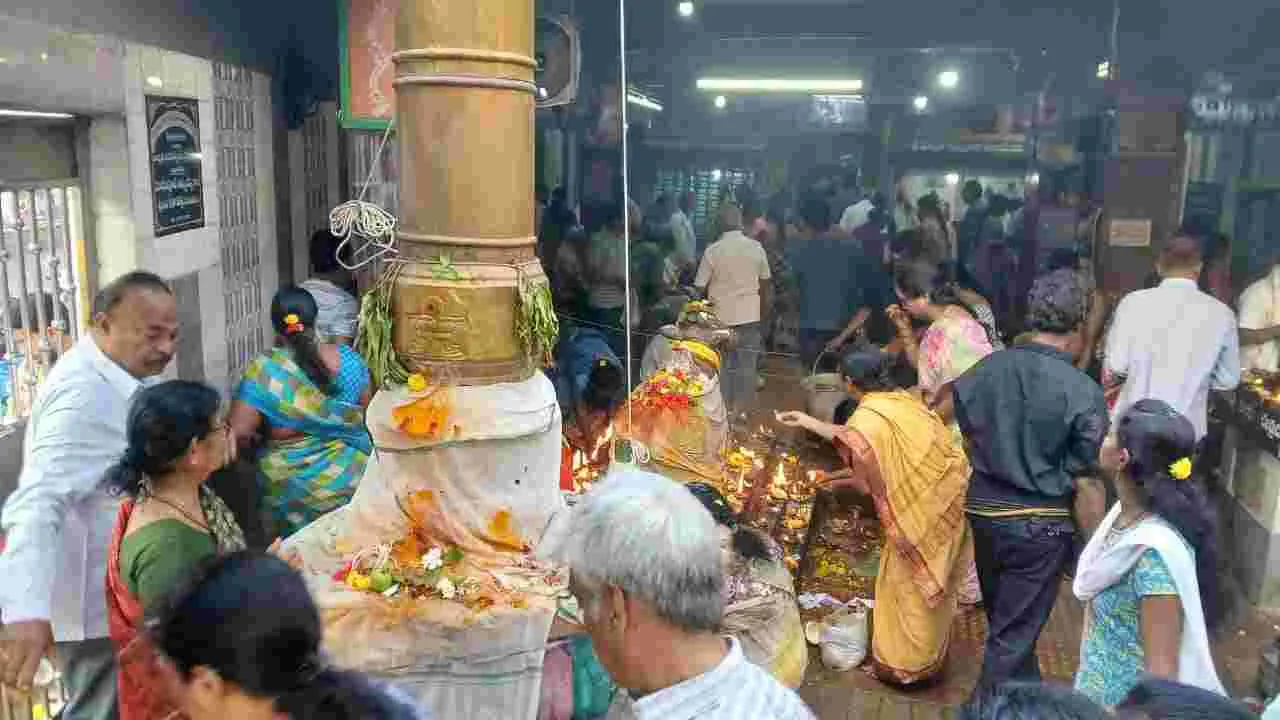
(417, 383)
(1181, 470)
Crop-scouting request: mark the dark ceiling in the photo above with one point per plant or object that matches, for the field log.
(1163, 44)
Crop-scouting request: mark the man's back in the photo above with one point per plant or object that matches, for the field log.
(825, 268)
(1031, 422)
(1174, 343)
(731, 271)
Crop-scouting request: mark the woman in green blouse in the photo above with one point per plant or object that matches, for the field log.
(169, 523)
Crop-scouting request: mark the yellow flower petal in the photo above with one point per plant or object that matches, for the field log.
(1181, 470)
(417, 383)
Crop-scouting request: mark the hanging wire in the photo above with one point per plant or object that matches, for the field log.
(626, 192)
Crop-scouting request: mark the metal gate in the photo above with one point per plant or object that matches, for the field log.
(234, 120)
(42, 273)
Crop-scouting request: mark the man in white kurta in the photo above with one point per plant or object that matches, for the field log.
(58, 522)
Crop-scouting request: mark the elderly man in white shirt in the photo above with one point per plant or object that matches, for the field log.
(1173, 342)
(1260, 323)
(645, 562)
(58, 522)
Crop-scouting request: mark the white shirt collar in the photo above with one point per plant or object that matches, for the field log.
(695, 686)
(117, 377)
(1179, 282)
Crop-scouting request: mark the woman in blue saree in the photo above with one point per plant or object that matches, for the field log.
(307, 400)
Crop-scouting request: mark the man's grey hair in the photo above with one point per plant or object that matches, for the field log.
(654, 540)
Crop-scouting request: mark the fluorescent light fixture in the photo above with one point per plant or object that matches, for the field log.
(953, 178)
(949, 79)
(644, 101)
(1104, 70)
(830, 85)
(35, 115)
(920, 103)
(685, 9)
(154, 81)
(721, 102)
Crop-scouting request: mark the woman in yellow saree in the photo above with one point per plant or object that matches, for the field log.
(900, 453)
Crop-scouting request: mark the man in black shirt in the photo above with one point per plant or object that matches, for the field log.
(1033, 425)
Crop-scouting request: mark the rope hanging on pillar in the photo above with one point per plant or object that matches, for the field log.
(370, 222)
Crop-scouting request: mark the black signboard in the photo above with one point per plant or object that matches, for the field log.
(177, 183)
(1203, 203)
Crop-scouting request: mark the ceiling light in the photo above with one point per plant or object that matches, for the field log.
(830, 85)
(716, 175)
(44, 57)
(644, 101)
(35, 114)
(1104, 70)
(1033, 178)
(948, 79)
(953, 178)
(920, 103)
(154, 81)
(686, 9)
(721, 102)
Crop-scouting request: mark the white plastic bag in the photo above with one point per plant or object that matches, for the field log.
(842, 638)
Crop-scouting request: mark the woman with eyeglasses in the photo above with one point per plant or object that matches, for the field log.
(168, 524)
(241, 640)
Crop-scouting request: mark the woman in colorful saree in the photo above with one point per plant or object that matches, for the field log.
(307, 400)
(169, 523)
(901, 454)
(955, 340)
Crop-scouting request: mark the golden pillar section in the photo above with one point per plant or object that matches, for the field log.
(465, 96)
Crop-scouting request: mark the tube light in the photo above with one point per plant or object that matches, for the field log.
(921, 103)
(831, 85)
(644, 102)
(948, 79)
(34, 114)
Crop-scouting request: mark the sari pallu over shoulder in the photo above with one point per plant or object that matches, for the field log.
(135, 656)
(318, 471)
(917, 478)
(141, 695)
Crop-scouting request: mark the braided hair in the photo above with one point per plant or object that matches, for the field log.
(1157, 437)
(293, 303)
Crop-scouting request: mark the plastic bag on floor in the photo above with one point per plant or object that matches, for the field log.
(842, 637)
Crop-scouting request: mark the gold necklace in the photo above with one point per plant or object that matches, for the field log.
(203, 525)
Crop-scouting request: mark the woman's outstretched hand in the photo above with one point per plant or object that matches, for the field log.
(795, 419)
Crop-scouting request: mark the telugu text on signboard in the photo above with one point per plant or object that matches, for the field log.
(177, 183)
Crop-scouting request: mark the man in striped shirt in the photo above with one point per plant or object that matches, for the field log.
(646, 568)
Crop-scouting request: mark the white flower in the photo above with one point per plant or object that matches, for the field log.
(446, 588)
(433, 560)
